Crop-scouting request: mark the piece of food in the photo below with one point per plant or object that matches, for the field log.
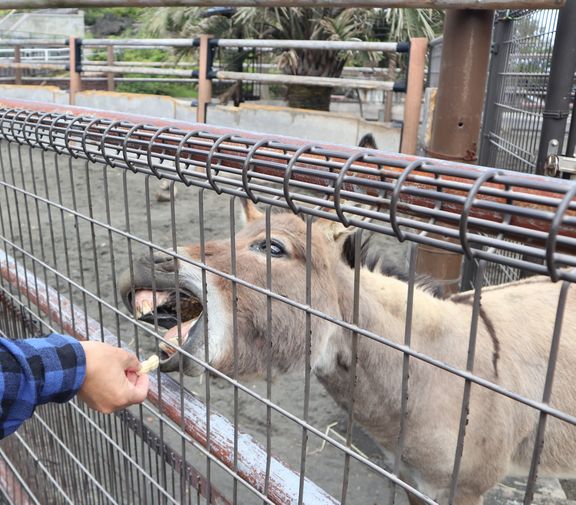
(149, 365)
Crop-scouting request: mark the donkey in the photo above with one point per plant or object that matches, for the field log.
(513, 343)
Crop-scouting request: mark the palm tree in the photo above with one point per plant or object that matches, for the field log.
(297, 23)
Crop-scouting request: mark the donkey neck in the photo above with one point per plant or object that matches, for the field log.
(382, 311)
(383, 306)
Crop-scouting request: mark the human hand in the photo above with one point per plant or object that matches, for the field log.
(111, 381)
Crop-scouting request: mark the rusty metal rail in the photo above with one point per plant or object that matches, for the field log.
(409, 197)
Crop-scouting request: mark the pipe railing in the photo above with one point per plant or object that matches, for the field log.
(481, 212)
(206, 72)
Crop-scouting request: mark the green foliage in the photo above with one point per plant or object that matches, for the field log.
(405, 24)
(146, 55)
(298, 23)
(94, 14)
(174, 89)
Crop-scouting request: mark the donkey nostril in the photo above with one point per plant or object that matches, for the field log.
(164, 258)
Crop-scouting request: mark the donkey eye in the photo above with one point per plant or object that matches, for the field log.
(277, 248)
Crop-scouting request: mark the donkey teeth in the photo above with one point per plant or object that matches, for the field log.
(146, 307)
(168, 349)
(143, 308)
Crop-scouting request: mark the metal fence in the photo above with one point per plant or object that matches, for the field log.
(365, 366)
(516, 93)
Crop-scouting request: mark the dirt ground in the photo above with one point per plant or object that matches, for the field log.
(94, 258)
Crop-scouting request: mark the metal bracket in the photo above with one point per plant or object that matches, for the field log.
(556, 165)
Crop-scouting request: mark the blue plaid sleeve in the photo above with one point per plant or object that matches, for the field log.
(36, 371)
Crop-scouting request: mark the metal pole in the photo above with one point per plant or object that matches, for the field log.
(17, 70)
(500, 51)
(389, 95)
(204, 83)
(75, 68)
(562, 71)
(456, 124)
(571, 146)
(414, 92)
(461, 86)
(110, 61)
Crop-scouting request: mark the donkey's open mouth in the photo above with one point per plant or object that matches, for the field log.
(150, 295)
(163, 308)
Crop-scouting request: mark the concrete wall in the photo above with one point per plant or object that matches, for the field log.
(44, 24)
(50, 94)
(314, 126)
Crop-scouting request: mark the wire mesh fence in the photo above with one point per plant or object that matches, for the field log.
(521, 60)
(273, 352)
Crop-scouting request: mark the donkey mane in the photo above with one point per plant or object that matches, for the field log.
(374, 257)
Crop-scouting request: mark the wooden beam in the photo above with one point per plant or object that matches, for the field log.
(110, 62)
(414, 93)
(204, 83)
(75, 77)
(17, 70)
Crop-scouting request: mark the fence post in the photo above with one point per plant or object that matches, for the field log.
(389, 95)
(562, 69)
(204, 82)
(17, 70)
(110, 61)
(456, 122)
(75, 68)
(498, 61)
(571, 145)
(414, 92)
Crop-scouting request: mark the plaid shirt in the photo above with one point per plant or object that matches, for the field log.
(37, 371)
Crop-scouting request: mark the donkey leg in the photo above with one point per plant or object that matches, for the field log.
(468, 499)
(407, 477)
(414, 500)
(463, 497)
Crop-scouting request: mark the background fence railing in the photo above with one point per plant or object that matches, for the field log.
(516, 92)
(86, 68)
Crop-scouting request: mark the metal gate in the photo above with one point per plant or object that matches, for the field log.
(80, 223)
(516, 91)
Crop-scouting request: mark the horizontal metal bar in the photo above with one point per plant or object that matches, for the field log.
(418, 4)
(433, 189)
(251, 457)
(99, 79)
(304, 79)
(141, 42)
(390, 47)
(33, 42)
(119, 63)
(36, 66)
(113, 69)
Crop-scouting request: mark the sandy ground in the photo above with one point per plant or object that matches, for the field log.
(94, 258)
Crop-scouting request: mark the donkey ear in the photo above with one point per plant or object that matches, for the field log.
(336, 231)
(250, 211)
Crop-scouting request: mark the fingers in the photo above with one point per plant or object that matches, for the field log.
(111, 382)
(140, 389)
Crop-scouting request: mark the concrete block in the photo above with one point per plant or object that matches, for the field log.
(50, 94)
(131, 103)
